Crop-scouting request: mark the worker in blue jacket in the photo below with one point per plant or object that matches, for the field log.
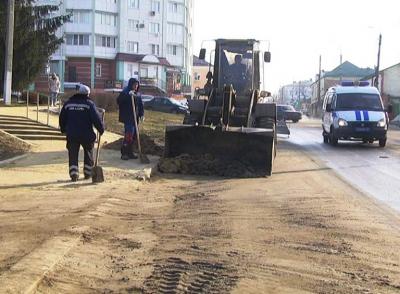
(126, 117)
(77, 118)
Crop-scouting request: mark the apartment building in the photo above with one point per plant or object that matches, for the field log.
(109, 41)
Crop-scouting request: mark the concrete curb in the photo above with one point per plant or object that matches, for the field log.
(10, 160)
(16, 138)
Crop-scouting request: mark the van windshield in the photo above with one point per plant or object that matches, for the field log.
(358, 101)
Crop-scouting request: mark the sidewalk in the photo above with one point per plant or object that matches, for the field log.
(47, 164)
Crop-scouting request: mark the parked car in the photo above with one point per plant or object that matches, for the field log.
(147, 98)
(183, 102)
(72, 85)
(287, 112)
(165, 104)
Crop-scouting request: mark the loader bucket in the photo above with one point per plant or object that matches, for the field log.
(250, 146)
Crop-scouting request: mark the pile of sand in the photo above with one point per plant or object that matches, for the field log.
(207, 165)
(10, 146)
(149, 146)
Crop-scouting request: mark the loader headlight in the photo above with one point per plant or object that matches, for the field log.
(382, 123)
(342, 122)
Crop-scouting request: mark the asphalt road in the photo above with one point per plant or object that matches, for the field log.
(372, 170)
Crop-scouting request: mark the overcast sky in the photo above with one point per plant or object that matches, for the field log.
(300, 30)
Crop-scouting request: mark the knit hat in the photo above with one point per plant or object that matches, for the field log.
(85, 90)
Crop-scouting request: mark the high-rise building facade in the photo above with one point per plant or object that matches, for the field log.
(109, 41)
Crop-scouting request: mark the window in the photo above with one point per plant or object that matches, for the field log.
(358, 101)
(130, 69)
(106, 19)
(98, 70)
(105, 41)
(155, 6)
(133, 4)
(173, 7)
(133, 25)
(133, 47)
(154, 28)
(80, 17)
(144, 72)
(175, 29)
(155, 49)
(77, 40)
(172, 49)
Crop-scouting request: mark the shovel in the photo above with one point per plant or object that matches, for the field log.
(143, 158)
(97, 171)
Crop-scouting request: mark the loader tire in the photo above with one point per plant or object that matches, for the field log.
(190, 119)
(265, 123)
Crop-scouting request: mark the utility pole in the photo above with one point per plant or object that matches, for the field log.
(9, 53)
(376, 84)
(299, 91)
(319, 85)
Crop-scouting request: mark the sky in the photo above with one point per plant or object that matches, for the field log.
(300, 31)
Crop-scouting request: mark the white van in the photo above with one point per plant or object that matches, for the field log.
(354, 111)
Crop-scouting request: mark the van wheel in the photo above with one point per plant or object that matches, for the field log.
(333, 139)
(382, 143)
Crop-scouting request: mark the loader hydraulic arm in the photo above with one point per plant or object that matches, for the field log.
(227, 105)
(210, 98)
(252, 103)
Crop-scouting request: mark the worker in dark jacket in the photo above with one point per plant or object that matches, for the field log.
(126, 117)
(77, 118)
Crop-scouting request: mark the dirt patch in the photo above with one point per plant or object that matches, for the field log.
(127, 243)
(149, 146)
(174, 274)
(10, 146)
(208, 165)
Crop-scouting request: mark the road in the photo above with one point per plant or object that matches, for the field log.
(374, 171)
(303, 230)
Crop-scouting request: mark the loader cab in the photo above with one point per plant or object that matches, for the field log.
(239, 63)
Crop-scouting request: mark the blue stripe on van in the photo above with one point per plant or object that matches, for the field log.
(366, 115)
(358, 115)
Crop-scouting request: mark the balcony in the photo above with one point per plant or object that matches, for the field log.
(78, 5)
(104, 5)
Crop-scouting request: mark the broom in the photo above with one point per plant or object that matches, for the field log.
(143, 158)
(97, 171)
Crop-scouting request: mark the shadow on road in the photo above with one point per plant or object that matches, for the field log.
(37, 185)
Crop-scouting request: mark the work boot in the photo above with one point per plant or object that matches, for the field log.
(131, 155)
(124, 153)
